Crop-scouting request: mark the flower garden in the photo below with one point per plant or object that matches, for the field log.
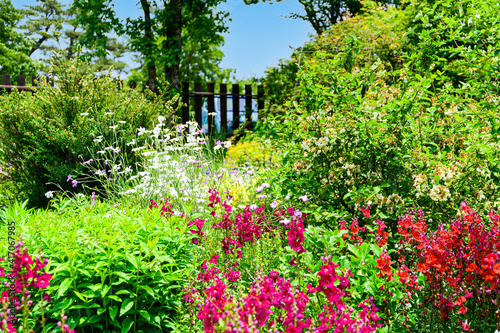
(366, 202)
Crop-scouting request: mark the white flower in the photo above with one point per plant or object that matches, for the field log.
(304, 198)
(101, 152)
(131, 142)
(161, 119)
(113, 127)
(227, 144)
(285, 221)
(265, 185)
(141, 131)
(80, 195)
(138, 148)
(261, 196)
(97, 140)
(212, 113)
(122, 122)
(253, 207)
(49, 194)
(84, 114)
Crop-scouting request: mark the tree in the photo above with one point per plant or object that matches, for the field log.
(53, 28)
(14, 47)
(161, 36)
(322, 14)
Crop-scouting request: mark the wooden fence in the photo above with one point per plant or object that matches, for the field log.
(21, 82)
(189, 97)
(223, 96)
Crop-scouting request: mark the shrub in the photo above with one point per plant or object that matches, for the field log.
(396, 140)
(44, 136)
(114, 269)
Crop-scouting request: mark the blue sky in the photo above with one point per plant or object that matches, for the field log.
(259, 35)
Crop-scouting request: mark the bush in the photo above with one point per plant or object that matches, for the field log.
(361, 134)
(249, 152)
(45, 136)
(114, 269)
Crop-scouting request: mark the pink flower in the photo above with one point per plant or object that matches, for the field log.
(43, 281)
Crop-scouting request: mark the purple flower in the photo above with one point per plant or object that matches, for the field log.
(69, 177)
(274, 205)
(304, 198)
(74, 183)
(88, 162)
(259, 189)
(93, 199)
(261, 196)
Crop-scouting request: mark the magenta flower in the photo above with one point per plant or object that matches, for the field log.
(43, 281)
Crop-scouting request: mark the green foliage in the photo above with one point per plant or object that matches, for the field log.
(51, 25)
(362, 133)
(114, 269)
(14, 47)
(46, 136)
(322, 14)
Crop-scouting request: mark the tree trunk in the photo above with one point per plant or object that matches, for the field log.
(148, 37)
(174, 43)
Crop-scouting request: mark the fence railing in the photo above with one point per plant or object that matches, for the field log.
(192, 99)
(21, 82)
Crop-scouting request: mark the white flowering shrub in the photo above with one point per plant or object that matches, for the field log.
(175, 164)
(423, 137)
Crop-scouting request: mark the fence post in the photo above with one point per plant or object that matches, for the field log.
(248, 105)
(210, 107)
(21, 80)
(198, 104)
(185, 100)
(6, 79)
(223, 108)
(236, 106)
(260, 100)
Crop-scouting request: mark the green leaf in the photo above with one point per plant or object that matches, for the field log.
(64, 286)
(116, 298)
(127, 324)
(126, 306)
(113, 310)
(354, 249)
(148, 290)
(145, 314)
